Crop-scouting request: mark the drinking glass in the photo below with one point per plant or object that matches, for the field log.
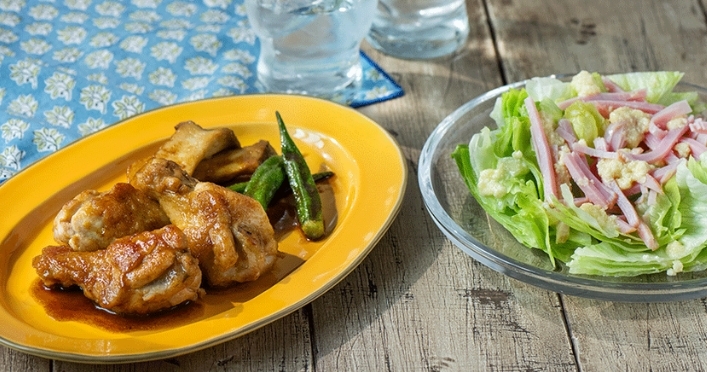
(419, 29)
(310, 47)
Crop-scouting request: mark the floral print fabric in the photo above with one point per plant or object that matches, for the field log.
(71, 67)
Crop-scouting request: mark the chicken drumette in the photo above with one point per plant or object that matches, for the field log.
(229, 233)
(138, 274)
(92, 220)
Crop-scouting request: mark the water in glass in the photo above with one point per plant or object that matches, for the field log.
(310, 47)
(419, 29)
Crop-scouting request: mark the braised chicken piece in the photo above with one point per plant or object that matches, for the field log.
(230, 165)
(138, 274)
(92, 220)
(191, 143)
(228, 232)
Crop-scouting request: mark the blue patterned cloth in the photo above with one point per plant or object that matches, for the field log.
(71, 67)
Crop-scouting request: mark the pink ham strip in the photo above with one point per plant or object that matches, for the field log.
(635, 189)
(671, 158)
(605, 106)
(651, 140)
(652, 196)
(624, 227)
(632, 218)
(581, 200)
(656, 131)
(698, 126)
(663, 149)
(592, 187)
(565, 130)
(676, 109)
(647, 236)
(611, 86)
(663, 174)
(542, 150)
(642, 188)
(638, 96)
(615, 136)
(600, 144)
(594, 152)
(563, 105)
(652, 184)
(625, 205)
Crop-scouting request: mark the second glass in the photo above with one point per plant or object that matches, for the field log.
(419, 29)
(311, 47)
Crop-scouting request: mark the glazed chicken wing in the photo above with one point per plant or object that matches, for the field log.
(229, 165)
(92, 220)
(191, 143)
(138, 274)
(228, 232)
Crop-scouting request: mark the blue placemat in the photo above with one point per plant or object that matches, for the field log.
(71, 67)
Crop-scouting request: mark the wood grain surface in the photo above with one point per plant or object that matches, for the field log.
(417, 303)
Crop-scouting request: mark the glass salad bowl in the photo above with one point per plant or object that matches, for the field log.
(467, 226)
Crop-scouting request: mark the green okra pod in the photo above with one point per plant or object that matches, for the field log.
(308, 204)
(266, 180)
(239, 187)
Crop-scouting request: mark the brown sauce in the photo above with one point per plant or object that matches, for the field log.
(71, 305)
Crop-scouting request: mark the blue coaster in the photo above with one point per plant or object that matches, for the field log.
(71, 67)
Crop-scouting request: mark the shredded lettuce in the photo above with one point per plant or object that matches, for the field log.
(500, 169)
(519, 209)
(542, 88)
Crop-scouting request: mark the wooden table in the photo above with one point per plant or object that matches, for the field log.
(417, 303)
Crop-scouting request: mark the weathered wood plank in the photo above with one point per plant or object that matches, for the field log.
(13, 360)
(417, 302)
(639, 337)
(284, 345)
(545, 37)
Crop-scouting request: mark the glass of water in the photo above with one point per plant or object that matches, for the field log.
(419, 29)
(310, 47)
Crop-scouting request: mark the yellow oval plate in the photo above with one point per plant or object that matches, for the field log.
(368, 188)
